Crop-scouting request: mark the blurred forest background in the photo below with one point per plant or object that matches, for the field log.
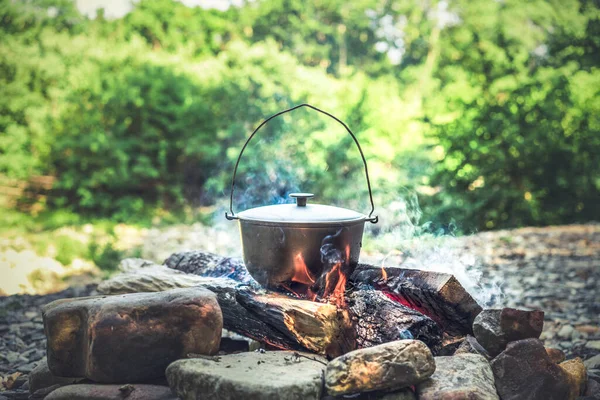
(486, 113)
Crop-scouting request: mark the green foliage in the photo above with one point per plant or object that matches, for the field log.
(521, 135)
(68, 249)
(106, 256)
(489, 109)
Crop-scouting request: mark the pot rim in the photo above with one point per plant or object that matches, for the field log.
(303, 224)
(310, 214)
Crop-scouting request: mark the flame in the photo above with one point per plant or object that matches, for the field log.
(384, 275)
(337, 275)
(301, 281)
(301, 272)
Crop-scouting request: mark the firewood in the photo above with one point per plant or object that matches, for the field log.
(438, 295)
(318, 327)
(380, 320)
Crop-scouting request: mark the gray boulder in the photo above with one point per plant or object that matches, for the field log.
(111, 392)
(462, 376)
(272, 375)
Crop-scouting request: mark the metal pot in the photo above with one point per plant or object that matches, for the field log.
(289, 244)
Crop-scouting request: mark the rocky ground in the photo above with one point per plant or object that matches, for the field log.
(556, 269)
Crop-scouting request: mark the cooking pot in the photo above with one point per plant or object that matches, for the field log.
(289, 244)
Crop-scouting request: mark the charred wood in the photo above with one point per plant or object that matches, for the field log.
(438, 295)
(380, 320)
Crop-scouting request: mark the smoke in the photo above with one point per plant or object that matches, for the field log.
(402, 240)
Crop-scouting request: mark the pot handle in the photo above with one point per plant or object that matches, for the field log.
(233, 216)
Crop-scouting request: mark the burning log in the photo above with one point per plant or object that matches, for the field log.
(380, 320)
(438, 295)
(321, 328)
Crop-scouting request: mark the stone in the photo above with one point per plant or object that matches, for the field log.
(390, 366)
(148, 278)
(525, 371)
(593, 362)
(131, 337)
(556, 355)
(27, 368)
(17, 394)
(404, 394)
(594, 374)
(565, 332)
(134, 264)
(269, 375)
(593, 389)
(112, 392)
(593, 344)
(462, 376)
(577, 376)
(471, 346)
(41, 378)
(43, 392)
(495, 328)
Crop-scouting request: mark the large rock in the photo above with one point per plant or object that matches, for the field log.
(495, 328)
(147, 278)
(524, 371)
(130, 337)
(389, 366)
(577, 376)
(112, 392)
(41, 378)
(272, 375)
(462, 376)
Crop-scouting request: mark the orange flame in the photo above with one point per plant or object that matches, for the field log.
(384, 274)
(301, 272)
(336, 295)
(301, 281)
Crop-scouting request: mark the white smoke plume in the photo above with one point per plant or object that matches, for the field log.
(401, 240)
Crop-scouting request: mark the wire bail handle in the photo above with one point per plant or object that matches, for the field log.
(232, 216)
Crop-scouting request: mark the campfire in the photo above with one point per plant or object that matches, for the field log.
(300, 318)
(415, 333)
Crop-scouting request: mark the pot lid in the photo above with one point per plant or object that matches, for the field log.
(301, 212)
